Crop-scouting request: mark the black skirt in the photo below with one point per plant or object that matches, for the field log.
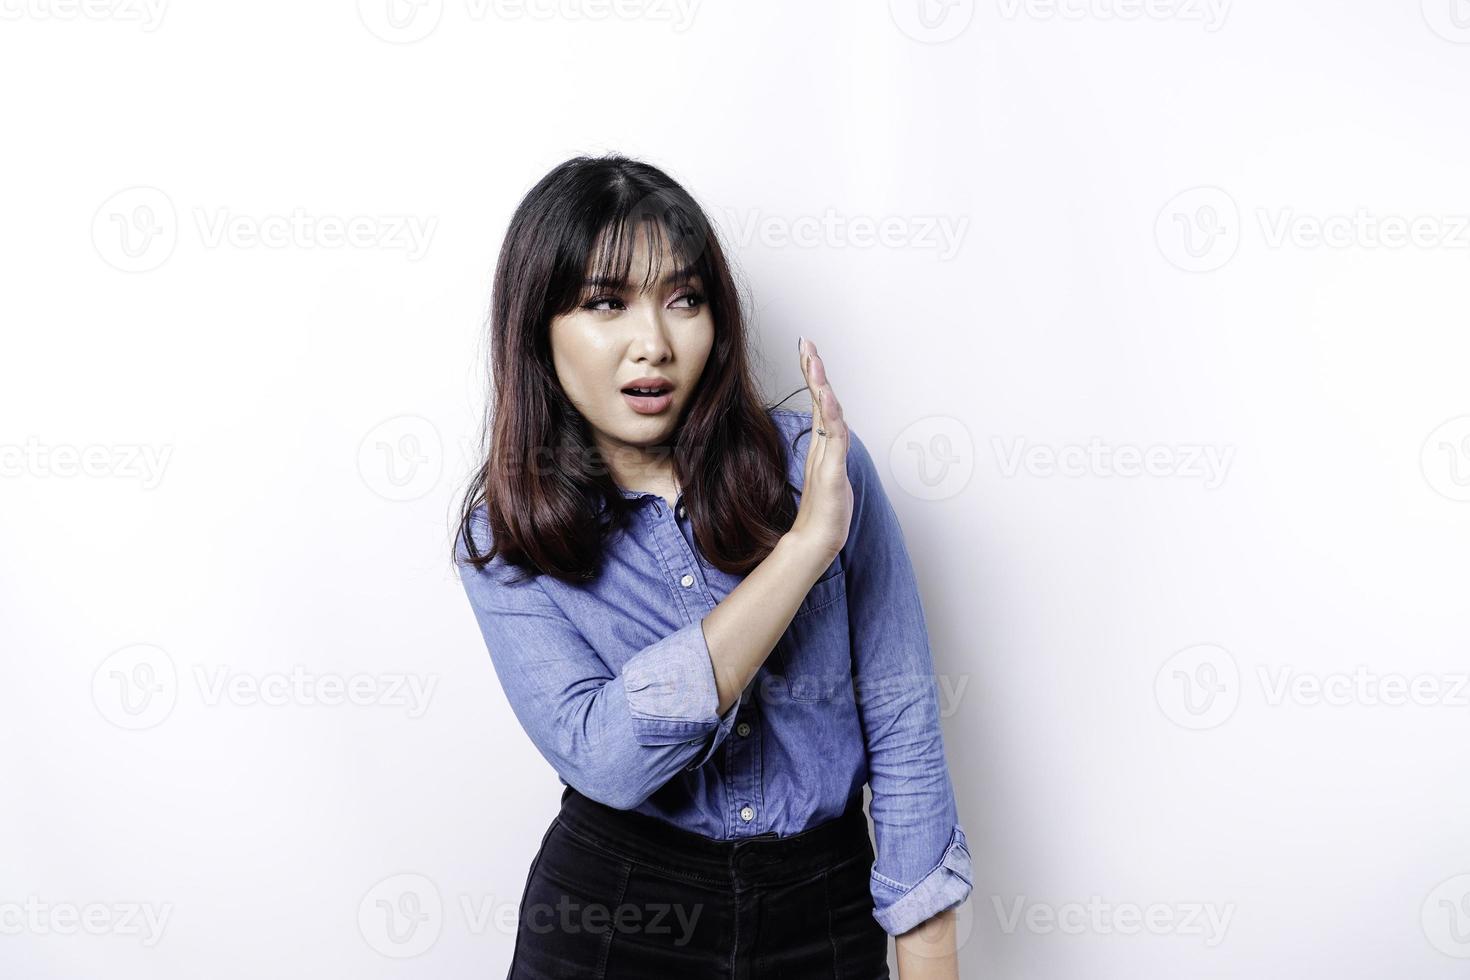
(614, 894)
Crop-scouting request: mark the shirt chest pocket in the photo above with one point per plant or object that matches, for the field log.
(815, 653)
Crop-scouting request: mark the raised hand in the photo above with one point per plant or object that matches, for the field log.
(825, 512)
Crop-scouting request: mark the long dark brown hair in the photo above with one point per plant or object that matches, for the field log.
(549, 497)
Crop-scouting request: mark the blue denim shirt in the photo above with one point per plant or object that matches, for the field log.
(612, 681)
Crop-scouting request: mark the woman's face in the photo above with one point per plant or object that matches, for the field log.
(617, 338)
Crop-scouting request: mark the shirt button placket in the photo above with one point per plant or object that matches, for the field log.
(674, 545)
(744, 774)
(744, 762)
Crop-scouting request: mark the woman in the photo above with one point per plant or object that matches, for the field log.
(703, 614)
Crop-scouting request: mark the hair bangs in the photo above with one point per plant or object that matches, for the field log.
(670, 231)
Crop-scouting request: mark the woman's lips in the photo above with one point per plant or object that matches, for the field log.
(649, 404)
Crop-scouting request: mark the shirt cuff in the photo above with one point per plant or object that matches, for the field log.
(899, 909)
(717, 737)
(670, 687)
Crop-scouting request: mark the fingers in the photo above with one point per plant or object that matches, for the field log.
(826, 398)
(826, 409)
(807, 353)
(808, 374)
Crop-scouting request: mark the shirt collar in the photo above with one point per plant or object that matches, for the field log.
(640, 495)
(626, 494)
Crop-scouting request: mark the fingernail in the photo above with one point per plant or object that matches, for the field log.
(798, 343)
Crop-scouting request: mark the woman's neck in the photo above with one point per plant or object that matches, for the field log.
(644, 472)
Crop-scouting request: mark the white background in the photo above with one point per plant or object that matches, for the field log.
(1172, 225)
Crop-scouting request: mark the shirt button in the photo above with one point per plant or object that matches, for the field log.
(680, 511)
(742, 729)
(687, 581)
(747, 814)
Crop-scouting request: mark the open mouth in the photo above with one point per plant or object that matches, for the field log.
(649, 397)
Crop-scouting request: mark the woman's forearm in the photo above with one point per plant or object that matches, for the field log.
(927, 951)
(743, 629)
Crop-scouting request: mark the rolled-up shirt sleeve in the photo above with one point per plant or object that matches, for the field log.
(616, 738)
(922, 862)
(671, 694)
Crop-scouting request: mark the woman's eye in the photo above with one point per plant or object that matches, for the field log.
(608, 304)
(596, 304)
